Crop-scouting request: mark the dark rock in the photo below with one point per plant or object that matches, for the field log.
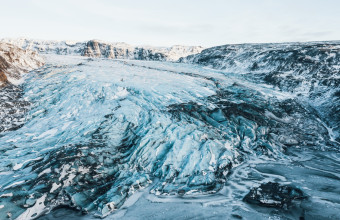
(274, 195)
(13, 108)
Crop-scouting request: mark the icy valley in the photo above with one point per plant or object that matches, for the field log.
(231, 132)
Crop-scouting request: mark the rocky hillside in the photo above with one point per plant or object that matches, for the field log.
(14, 61)
(96, 48)
(125, 51)
(310, 70)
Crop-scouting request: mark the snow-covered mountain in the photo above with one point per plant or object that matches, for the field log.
(47, 46)
(96, 48)
(125, 51)
(310, 70)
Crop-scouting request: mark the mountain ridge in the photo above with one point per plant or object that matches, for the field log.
(310, 69)
(103, 49)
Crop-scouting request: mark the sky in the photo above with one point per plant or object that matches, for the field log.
(172, 22)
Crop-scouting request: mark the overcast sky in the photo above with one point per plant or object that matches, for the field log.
(169, 22)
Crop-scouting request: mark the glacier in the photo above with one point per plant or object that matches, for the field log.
(93, 132)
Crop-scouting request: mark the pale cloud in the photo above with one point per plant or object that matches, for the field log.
(179, 28)
(166, 22)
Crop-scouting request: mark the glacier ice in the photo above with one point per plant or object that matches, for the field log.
(98, 130)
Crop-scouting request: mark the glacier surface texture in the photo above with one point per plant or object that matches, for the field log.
(191, 137)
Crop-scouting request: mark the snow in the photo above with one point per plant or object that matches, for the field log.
(54, 187)
(6, 195)
(20, 165)
(33, 212)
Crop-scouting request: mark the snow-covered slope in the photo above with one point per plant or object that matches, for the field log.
(96, 48)
(47, 46)
(310, 70)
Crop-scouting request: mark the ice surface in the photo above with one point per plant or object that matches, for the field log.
(99, 130)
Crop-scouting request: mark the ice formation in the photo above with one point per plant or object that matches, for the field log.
(94, 131)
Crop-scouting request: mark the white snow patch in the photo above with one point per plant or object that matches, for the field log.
(6, 195)
(15, 184)
(34, 211)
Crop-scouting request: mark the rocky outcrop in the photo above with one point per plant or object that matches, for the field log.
(13, 107)
(15, 61)
(3, 78)
(274, 195)
(96, 48)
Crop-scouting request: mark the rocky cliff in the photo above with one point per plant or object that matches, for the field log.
(96, 48)
(14, 61)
